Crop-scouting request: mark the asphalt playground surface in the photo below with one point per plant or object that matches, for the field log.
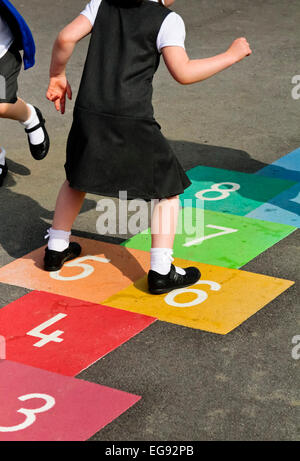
(195, 385)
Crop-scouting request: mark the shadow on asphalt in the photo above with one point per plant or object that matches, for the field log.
(22, 218)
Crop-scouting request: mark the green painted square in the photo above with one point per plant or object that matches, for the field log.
(245, 193)
(239, 241)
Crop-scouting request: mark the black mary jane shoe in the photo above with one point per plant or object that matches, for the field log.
(159, 284)
(3, 173)
(39, 151)
(54, 260)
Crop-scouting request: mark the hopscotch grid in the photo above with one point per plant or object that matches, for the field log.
(3, 343)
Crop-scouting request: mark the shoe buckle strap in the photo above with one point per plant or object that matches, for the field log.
(36, 127)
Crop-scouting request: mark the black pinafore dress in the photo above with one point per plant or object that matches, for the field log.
(115, 144)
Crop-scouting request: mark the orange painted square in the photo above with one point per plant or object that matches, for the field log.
(125, 267)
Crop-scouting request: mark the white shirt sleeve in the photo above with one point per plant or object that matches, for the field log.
(172, 32)
(91, 10)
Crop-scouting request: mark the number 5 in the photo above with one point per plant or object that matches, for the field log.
(87, 268)
(30, 414)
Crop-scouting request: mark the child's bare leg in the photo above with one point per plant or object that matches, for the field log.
(26, 114)
(68, 205)
(18, 111)
(163, 276)
(164, 222)
(163, 229)
(60, 250)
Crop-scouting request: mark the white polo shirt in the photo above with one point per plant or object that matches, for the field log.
(172, 31)
(6, 37)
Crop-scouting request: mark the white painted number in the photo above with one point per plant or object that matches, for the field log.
(224, 193)
(201, 295)
(30, 414)
(87, 268)
(224, 231)
(45, 339)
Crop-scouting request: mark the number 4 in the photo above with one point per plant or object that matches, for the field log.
(45, 339)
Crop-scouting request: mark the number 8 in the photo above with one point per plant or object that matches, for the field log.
(216, 188)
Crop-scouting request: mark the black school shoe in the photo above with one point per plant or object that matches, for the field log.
(39, 151)
(3, 173)
(158, 284)
(54, 260)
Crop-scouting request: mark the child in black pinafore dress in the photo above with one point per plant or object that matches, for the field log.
(115, 143)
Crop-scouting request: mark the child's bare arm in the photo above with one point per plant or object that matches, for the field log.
(63, 48)
(186, 71)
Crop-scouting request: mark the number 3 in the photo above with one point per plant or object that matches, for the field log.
(30, 414)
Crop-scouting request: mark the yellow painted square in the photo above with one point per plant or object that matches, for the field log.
(221, 300)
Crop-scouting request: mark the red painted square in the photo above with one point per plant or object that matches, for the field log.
(64, 335)
(36, 405)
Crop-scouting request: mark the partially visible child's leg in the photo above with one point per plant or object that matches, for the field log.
(3, 166)
(163, 276)
(17, 111)
(27, 115)
(60, 250)
(14, 108)
(2, 156)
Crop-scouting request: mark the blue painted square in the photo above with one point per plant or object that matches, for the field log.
(283, 209)
(287, 167)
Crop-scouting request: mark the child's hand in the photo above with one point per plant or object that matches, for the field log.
(239, 49)
(57, 90)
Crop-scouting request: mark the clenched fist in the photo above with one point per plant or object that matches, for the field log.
(239, 49)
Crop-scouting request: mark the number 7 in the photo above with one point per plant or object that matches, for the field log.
(224, 231)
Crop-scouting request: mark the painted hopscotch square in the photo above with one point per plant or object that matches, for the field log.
(219, 239)
(286, 167)
(221, 301)
(283, 209)
(64, 335)
(36, 405)
(230, 191)
(101, 270)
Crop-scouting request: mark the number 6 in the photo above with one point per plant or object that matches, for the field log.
(202, 295)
